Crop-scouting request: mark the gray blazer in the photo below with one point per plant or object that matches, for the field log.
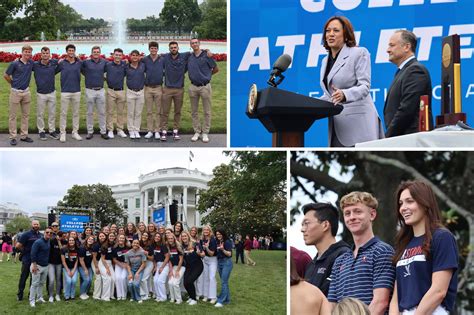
(358, 121)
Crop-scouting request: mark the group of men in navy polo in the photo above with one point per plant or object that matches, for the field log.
(144, 79)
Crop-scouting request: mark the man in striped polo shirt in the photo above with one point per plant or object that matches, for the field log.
(366, 272)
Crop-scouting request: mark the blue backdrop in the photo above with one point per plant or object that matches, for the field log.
(71, 222)
(159, 216)
(262, 30)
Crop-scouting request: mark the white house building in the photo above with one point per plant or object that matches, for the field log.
(174, 189)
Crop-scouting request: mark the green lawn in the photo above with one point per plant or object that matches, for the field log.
(219, 105)
(254, 290)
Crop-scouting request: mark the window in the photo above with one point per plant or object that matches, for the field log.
(137, 220)
(125, 203)
(137, 202)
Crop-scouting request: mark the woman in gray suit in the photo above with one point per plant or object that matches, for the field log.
(345, 80)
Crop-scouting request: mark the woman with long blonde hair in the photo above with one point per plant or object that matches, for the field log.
(194, 265)
(208, 246)
(176, 268)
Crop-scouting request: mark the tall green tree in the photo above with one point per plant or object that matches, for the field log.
(98, 197)
(181, 15)
(39, 15)
(214, 20)
(8, 9)
(18, 223)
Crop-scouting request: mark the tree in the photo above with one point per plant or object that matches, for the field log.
(181, 15)
(18, 223)
(39, 15)
(8, 8)
(249, 194)
(98, 197)
(214, 20)
(449, 174)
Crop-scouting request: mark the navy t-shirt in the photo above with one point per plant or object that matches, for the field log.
(200, 68)
(414, 271)
(55, 251)
(96, 249)
(191, 256)
(27, 239)
(71, 256)
(227, 246)
(158, 252)
(212, 245)
(174, 256)
(119, 253)
(45, 76)
(21, 74)
(108, 252)
(87, 255)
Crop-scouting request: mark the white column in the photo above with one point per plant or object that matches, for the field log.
(170, 200)
(145, 217)
(198, 215)
(185, 206)
(155, 198)
(142, 206)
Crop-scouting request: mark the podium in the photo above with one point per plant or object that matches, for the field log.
(288, 115)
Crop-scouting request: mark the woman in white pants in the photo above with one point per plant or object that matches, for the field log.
(159, 252)
(121, 273)
(209, 246)
(55, 267)
(145, 243)
(96, 250)
(106, 268)
(176, 268)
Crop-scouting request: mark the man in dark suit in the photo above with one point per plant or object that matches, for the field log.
(411, 81)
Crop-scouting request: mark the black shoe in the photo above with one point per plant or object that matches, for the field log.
(13, 142)
(42, 136)
(54, 135)
(19, 297)
(89, 136)
(26, 139)
(104, 136)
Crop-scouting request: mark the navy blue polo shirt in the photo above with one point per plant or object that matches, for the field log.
(115, 74)
(21, 73)
(70, 76)
(158, 252)
(175, 69)
(136, 76)
(40, 252)
(154, 70)
(200, 68)
(358, 277)
(212, 245)
(45, 76)
(93, 72)
(174, 256)
(227, 247)
(27, 239)
(414, 271)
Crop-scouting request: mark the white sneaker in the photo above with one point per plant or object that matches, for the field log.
(83, 296)
(41, 300)
(212, 301)
(205, 138)
(193, 302)
(145, 298)
(32, 303)
(122, 134)
(110, 134)
(62, 137)
(149, 135)
(157, 135)
(51, 299)
(140, 302)
(58, 298)
(131, 300)
(195, 137)
(137, 135)
(132, 134)
(179, 302)
(76, 136)
(218, 305)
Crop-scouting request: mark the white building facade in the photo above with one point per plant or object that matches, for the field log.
(168, 188)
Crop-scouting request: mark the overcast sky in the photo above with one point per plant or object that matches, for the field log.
(37, 179)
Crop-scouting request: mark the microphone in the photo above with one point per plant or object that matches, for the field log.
(280, 66)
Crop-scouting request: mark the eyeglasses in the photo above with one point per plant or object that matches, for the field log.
(48, 232)
(54, 225)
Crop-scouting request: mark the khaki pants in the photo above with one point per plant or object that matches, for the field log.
(248, 260)
(175, 95)
(96, 98)
(204, 92)
(153, 101)
(22, 100)
(135, 101)
(44, 101)
(75, 100)
(115, 99)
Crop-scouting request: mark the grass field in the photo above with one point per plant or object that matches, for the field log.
(254, 290)
(219, 105)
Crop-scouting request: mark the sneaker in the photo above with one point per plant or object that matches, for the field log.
(110, 134)
(54, 135)
(176, 135)
(218, 305)
(205, 138)
(26, 139)
(105, 300)
(179, 302)
(89, 136)
(62, 138)
(145, 298)
(104, 136)
(213, 301)
(76, 136)
(58, 298)
(137, 134)
(43, 136)
(51, 299)
(32, 303)
(121, 134)
(157, 135)
(41, 300)
(83, 296)
(131, 300)
(195, 137)
(171, 301)
(149, 135)
(140, 302)
(193, 302)
(163, 135)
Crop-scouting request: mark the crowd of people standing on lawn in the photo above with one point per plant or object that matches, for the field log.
(130, 262)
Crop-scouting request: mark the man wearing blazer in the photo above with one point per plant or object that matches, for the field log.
(411, 81)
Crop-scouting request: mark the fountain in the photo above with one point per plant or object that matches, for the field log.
(42, 36)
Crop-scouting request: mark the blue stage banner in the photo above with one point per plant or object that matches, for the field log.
(71, 222)
(262, 30)
(159, 216)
